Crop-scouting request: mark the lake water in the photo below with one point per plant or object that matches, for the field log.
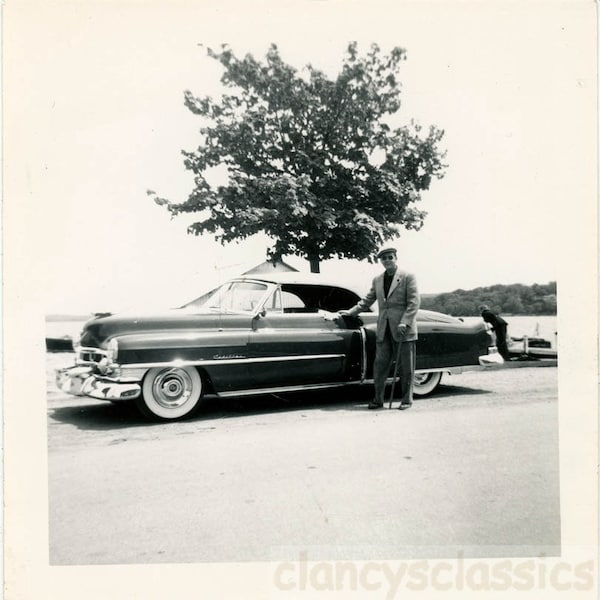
(544, 326)
(58, 329)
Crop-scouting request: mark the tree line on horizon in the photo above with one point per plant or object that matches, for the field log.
(512, 299)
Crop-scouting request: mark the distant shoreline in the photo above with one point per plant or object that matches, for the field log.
(57, 318)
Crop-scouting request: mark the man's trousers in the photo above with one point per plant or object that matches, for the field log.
(385, 354)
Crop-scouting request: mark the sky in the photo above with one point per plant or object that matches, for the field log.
(96, 118)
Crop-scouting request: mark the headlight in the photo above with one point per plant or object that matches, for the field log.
(112, 349)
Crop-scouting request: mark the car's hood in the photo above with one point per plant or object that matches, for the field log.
(101, 328)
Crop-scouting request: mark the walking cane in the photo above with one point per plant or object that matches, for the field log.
(396, 370)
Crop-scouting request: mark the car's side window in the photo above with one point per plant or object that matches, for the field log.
(273, 304)
(237, 296)
(282, 301)
(292, 303)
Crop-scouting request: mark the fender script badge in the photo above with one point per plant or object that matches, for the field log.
(227, 356)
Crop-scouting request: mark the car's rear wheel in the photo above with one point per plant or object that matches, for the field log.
(170, 393)
(425, 383)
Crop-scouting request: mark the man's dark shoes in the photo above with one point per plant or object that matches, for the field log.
(374, 404)
(405, 405)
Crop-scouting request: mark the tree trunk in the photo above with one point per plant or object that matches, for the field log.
(314, 264)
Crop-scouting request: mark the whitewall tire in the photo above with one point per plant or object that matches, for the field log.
(425, 383)
(170, 393)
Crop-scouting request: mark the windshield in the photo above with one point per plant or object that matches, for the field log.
(236, 296)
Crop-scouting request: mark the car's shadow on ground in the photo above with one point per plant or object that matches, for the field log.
(107, 416)
(456, 390)
(98, 417)
(119, 415)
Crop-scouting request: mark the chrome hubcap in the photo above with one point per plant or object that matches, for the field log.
(172, 388)
(421, 378)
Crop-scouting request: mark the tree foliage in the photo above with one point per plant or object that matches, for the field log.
(514, 299)
(311, 161)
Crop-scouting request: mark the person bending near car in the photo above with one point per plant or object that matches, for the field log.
(398, 301)
(499, 327)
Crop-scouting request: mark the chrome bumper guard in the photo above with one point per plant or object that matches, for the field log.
(80, 381)
(493, 358)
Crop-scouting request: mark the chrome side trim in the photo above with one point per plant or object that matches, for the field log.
(363, 358)
(288, 388)
(231, 361)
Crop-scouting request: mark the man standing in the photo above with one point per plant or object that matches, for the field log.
(499, 327)
(398, 301)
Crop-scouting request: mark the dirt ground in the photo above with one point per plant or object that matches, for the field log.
(472, 468)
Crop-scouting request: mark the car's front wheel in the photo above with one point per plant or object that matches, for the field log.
(425, 383)
(170, 393)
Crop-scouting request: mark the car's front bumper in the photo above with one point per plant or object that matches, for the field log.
(81, 381)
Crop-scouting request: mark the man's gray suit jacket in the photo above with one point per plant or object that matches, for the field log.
(400, 305)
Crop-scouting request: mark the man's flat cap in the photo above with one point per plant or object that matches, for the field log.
(386, 250)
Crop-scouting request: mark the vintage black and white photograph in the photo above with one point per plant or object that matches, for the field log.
(300, 299)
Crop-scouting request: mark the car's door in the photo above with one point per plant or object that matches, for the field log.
(293, 345)
(225, 351)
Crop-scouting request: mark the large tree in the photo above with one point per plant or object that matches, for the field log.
(313, 162)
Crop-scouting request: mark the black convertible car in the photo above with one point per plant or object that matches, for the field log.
(253, 335)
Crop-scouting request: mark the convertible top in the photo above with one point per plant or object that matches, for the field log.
(296, 278)
(315, 279)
